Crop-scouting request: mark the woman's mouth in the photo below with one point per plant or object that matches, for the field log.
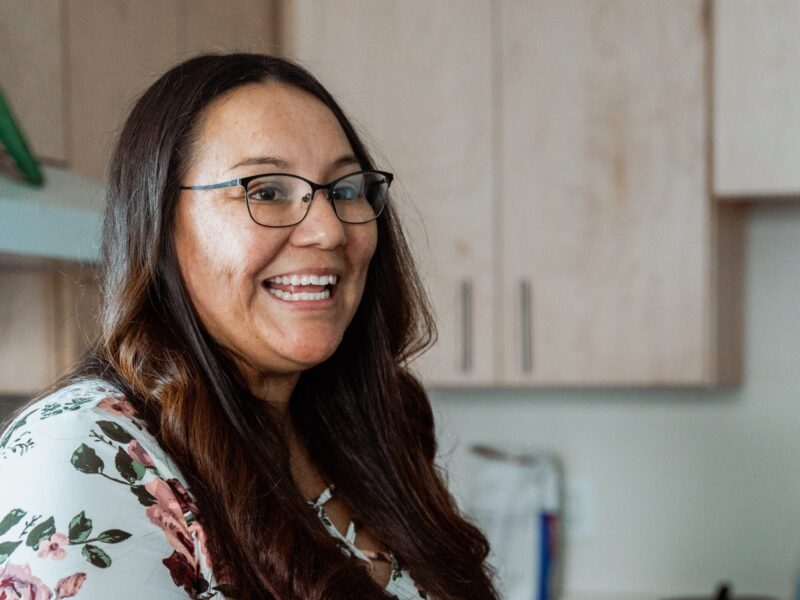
(297, 288)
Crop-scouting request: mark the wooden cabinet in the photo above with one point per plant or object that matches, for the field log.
(609, 266)
(116, 48)
(418, 82)
(33, 73)
(48, 315)
(556, 155)
(756, 90)
(72, 68)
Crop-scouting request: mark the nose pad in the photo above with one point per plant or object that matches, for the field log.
(310, 196)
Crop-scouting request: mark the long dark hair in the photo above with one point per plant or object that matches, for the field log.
(366, 420)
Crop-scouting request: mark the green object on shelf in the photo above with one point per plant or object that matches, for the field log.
(11, 136)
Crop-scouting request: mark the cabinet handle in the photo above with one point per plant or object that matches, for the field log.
(465, 347)
(524, 333)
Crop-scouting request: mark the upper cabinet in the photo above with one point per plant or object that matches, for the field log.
(71, 69)
(756, 90)
(33, 72)
(609, 263)
(553, 165)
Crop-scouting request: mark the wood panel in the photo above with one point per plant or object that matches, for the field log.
(78, 303)
(119, 47)
(116, 48)
(32, 72)
(606, 209)
(757, 86)
(418, 83)
(214, 26)
(28, 361)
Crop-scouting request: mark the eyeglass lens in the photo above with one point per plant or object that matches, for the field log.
(276, 200)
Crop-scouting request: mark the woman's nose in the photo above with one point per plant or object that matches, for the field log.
(321, 226)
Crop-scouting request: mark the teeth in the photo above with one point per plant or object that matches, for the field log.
(305, 279)
(323, 295)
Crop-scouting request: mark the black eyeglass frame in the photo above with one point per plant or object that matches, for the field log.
(315, 187)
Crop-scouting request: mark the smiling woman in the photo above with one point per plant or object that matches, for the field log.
(246, 426)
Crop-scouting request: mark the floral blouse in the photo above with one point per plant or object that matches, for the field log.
(92, 507)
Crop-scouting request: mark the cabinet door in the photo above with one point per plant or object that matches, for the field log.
(32, 72)
(78, 304)
(48, 318)
(116, 48)
(757, 86)
(28, 337)
(607, 246)
(417, 77)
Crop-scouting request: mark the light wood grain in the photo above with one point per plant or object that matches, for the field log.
(416, 77)
(119, 47)
(28, 360)
(214, 26)
(77, 312)
(32, 72)
(116, 48)
(756, 109)
(606, 210)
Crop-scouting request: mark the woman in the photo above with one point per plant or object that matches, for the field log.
(246, 426)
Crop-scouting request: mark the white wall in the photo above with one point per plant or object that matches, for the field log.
(690, 487)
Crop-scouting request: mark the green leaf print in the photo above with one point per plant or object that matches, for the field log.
(96, 556)
(86, 460)
(12, 518)
(115, 432)
(79, 528)
(76, 403)
(12, 429)
(113, 536)
(41, 532)
(6, 548)
(139, 468)
(145, 498)
(127, 467)
(49, 410)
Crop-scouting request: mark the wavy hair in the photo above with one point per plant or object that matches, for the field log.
(366, 420)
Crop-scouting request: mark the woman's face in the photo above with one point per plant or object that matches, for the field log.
(230, 264)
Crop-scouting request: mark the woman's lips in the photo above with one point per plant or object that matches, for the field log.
(299, 293)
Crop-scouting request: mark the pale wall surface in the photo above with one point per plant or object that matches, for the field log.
(690, 487)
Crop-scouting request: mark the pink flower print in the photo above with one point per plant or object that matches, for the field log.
(200, 536)
(17, 582)
(184, 499)
(137, 453)
(69, 586)
(117, 405)
(54, 547)
(166, 514)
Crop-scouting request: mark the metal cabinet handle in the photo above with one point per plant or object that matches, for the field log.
(465, 346)
(524, 332)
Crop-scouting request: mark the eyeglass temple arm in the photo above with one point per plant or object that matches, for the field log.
(213, 186)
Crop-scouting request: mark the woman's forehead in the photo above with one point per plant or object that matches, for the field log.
(269, 119)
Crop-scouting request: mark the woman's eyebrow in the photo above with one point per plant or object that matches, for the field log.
(342, 161)
(282, 164)
(261, 160)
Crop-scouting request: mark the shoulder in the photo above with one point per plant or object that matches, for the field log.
(66, 411)
(86, 486)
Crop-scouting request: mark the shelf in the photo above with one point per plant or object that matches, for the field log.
(60, 220)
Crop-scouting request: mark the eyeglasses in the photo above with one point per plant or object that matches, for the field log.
(283, 199)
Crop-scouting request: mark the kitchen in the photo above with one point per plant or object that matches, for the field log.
(673, 418)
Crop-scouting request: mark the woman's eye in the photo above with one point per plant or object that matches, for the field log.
(268, 193)
(346, 192)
